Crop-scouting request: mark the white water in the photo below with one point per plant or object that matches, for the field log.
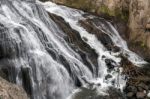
(73, 16)
(26, 35)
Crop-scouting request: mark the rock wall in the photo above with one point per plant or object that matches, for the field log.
(139, 19)
(100, 7)
(11, 91)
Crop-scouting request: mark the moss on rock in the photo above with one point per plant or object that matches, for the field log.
(117, 12)
(105, 10)
(98, 7)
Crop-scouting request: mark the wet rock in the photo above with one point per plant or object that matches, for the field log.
(140, 95)
(98, 84)
(85, 39)
(103, 57)
(115, 94)
(4, 73)
(108, 76)
(113, 82)
(115, 49)
(26, 79)
(52, 53)
(140, 89)
(130, 94)
(110, 64)
(131, 89)
(144, 86)
(78, 83)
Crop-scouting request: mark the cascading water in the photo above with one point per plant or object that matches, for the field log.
(35, 51)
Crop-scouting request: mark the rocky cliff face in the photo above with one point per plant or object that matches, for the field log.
(11, 91)
(135, 13)
(101, 7)
(139, 21)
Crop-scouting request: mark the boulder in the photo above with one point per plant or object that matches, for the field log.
(144, 86)
(11, 91)
(148, 26)
(140, 95)
(130, 94)
(131, 89)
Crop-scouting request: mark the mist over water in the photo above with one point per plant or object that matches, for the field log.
(35, 51)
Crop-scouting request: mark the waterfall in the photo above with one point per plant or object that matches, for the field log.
(37, 54)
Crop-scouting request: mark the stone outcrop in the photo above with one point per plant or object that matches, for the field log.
(139, 19)
(11, 91)
(117, 8)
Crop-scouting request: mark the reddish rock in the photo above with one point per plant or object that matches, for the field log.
(140, 95)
